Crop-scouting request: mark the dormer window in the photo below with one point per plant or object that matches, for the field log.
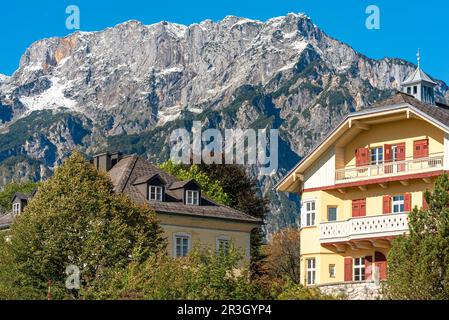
(192, 197)
(155, 193)
(16, 208)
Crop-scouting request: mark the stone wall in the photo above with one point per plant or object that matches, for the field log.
(354, 290)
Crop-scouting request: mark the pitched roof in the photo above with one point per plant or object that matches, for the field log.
(180, 184)
(146, 178)
(132, 168)
(439, 115)
(417, 76)
(22, 196)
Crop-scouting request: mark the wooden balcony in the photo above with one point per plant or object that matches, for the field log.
(390, 169)
(364, 232)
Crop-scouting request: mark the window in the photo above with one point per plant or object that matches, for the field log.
(16, 208)
(332, 214)
(155, 193)
(359, 269)
(309, 208)
(193, 197)
(415, 89)
(181, 245)
(332, 271)
(311, 271)
(397, 205)
(223, 245)
(377, 155)
(409, 90)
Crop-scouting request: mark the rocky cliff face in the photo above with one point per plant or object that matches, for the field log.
(126, 88)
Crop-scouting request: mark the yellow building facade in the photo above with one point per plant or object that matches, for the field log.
(358, 186)
(187, 217)
(206, 233)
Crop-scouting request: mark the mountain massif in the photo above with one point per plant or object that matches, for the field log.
(128, 87)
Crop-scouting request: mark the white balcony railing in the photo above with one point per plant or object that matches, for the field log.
(390, 168)
(364, 227)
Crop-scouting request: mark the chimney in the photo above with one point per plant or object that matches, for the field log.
(105, 161)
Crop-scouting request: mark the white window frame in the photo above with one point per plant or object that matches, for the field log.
(310, 271)
(16, 208)
(219, 241)
(377, 154)
(309, 213)
(332, 270)
(397, 203)
(360, 267)
(194, 195)
(336, 213)
(186, 236)
(158, 193)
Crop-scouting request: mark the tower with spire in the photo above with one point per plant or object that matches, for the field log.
(420, 85)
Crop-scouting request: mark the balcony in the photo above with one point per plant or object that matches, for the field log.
(355, 231)
(387, 169)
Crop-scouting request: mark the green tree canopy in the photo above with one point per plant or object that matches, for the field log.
(202, 275)
(75, 219)
(210, 187)
(418, 263)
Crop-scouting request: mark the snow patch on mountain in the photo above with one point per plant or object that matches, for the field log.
(3, 77)
(52, 98)
(169, 114)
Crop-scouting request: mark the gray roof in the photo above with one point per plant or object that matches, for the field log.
(5, 221)
(146, 178)
(439, 113)
(22, 196)
(417, 76)
(180, 184)
(133, 168)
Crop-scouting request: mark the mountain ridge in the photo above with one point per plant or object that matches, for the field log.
(127, 87)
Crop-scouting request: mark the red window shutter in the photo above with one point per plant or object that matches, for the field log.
(362, 208)
(421, 148)
(348, 269)
(416, 150)
(400, 152)
(362, 157)
(425, 148)
(388, 157)
(386, 204)
(407, 202)
(425, 205)
(365, 156)
(383, 270)
(388, 152)
(368, 268)
(355, 208)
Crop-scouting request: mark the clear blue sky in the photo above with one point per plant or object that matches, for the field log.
(405, 24)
